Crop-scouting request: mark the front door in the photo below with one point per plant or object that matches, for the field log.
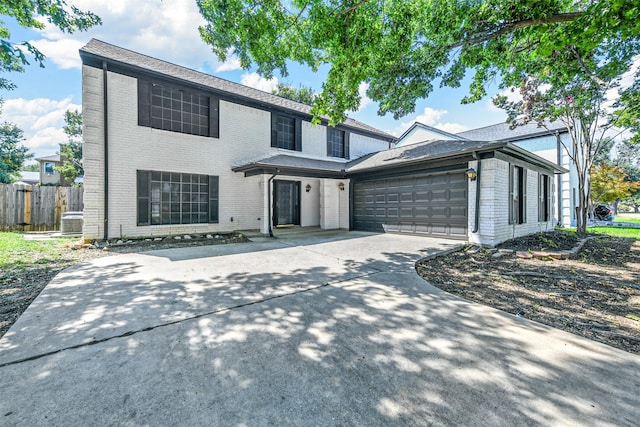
(286, 203)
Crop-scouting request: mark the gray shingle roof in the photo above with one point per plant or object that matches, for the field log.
(124, 56)
(52, 158)
(431, 129)
(295, 162)
(502, 132)
(421, 152)
(428, 150)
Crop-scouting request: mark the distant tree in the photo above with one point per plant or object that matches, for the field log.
(71, 152)
(30, 14)
(12, 155)
(609, 183)
(34, 167)
(631, 203)
(301, 94)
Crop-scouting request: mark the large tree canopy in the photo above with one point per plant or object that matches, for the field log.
(403, 47)
(32, 14)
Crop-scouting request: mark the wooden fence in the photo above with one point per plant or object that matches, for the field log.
(32, 208)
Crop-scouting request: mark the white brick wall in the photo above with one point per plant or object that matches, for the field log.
(360, 145)
(334, 204)
(494, 205)
(245, 134)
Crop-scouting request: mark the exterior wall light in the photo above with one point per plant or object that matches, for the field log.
(308, 187)
(341, 186)
(471, 174)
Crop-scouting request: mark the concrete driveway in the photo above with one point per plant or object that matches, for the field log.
(326, 330)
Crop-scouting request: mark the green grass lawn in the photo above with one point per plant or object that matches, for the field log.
(628, 217)
(633, 233)
(17, 253)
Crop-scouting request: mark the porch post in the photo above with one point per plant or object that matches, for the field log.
(266, 209)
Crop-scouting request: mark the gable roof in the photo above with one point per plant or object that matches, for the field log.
(430, 129)
(99, 50)
(52, 158)
(432, 151)
(438, 150)
(503, 132)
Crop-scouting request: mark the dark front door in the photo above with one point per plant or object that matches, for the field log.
(286, 203)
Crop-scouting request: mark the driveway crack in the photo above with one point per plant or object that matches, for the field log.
(175, 322)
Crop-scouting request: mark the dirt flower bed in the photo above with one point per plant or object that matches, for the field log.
(595, 295)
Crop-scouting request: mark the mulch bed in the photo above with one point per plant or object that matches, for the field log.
(596, 294)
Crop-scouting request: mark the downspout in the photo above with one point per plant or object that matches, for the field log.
(106, 149)
(559, 178)
(270, 217)
(476, 225)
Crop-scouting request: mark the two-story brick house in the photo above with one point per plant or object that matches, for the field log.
(169, 150)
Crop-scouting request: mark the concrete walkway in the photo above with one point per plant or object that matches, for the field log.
(326, 330)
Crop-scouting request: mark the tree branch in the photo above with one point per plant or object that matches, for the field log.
(352, 8)
(512, 26)
(591, 75)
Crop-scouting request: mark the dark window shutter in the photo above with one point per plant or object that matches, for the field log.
(213, 198)
(346, 145)
(550, 193)
(214, 117)
(144, 103)
(524, 195)
(274, 130)
(143, 180)
(298, 135)
(512, 196)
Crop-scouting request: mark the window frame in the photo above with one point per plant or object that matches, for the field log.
(276, 133)
(332, 133)
(164, 192)
(149, 113)
(545, 191)
(517, 194)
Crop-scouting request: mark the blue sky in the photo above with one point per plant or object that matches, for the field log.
(167, 29)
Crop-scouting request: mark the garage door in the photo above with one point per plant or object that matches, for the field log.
(433, 205)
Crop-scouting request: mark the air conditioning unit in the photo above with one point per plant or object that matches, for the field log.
(71, 223)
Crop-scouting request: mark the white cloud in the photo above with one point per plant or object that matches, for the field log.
(364, 99)
(255, 81)
(430, 117)
(41, 119)
(229, 65)
(512, 96)
(163, 29)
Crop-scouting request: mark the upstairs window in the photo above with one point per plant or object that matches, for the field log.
(286, 132)
(518, 195)
(175, 109)
(337, 143)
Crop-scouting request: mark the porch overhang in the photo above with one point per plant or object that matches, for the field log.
(284, 165)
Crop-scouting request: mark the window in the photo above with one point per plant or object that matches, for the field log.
(517, 194)
(286, 132)
(337, 143)
(176, 109)
(176, 198)
(544, 198)
(48, 168)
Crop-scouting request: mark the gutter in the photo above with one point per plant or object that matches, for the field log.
(476, 224)
(105, 106)
(559, 177)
